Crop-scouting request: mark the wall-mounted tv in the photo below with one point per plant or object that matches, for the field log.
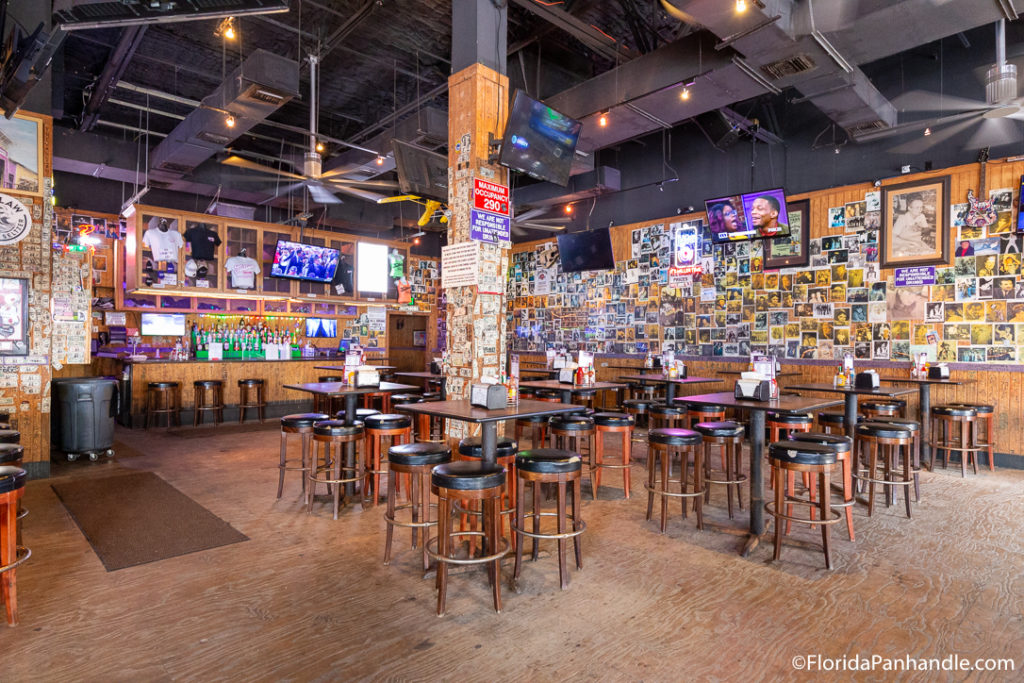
(539, 141)
(591, 250)
(1020, 209)
(297, 261)
(163, 324)
(321, 327)
(420, 171)
(752, 215)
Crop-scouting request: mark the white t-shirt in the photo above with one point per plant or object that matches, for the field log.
(164, 245)
(242, 269)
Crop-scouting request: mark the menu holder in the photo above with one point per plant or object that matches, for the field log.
(367, 376)
(489, 396)
(567, 376)
(753, 389)
(867, 380)
(938, 372)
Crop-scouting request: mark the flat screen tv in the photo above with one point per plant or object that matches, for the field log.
(297, 261)
(163, 324)
(1020, 210)
(420, 171)
(321, 327)
(539, 141)
(591, 250)
(752, 215)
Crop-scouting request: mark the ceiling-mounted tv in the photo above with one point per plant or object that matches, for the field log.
(539, 141)
(420, 171)
(752, 215)
(591, 250)
(296, 261)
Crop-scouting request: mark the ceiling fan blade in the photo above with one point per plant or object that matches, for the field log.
(340, 171)
(532, 213)
(360, 194)
(920, 125)
(239, 162)
(540, 226)
(379, 184)
(993, 132)
(322, 195)
(925, 142)
(925, 100)
(286, 190)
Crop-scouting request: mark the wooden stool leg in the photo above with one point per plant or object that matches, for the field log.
(824, 491)
(307, 452)
(847, 471)
(651, 461)
(495, 506)
(906, 475)
(698, 486)
(727, 449)
(338, 464)
(535, 552)
(577, 521)
(444, 513)
(595, 462)
(280, 473)
(988, 440)
(872, 466)
(780, 497)
(627, 456)
(520, 520)
(389, 532)
(563, 573)
(666, 471)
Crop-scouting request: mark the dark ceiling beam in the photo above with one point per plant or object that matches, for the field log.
(592, 37)
(335, 39)
(131, 38)
(402, 111)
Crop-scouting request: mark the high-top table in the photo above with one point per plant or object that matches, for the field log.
(426, 377)
(569, 389)
(924, 405)
(757, 410)
(850, 394)
(350, 392)
(637, 368)
(543, 372)
(782, 373)
(670, 383)
(384, 368)
(487, 419)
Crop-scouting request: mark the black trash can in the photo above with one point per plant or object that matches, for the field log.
(82, 418)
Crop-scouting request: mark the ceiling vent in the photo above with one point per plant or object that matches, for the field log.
(215, 138)
(860, 129)
(258, 93)
(790, 66)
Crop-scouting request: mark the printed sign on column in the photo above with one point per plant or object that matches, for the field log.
(489, 227)
(490, 197)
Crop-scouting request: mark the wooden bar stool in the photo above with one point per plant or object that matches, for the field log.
(12, 455)
(392, 426)
(873, 409)
(10, 436)
(415, 460)
(549, 396)
(610, 424)
(163, 398)
(888, 446)
(696, 412)
(12, 488)
(208, 396)
(473, 480)
(325, 404)
(361, 414)
(326, 436)
(914, 427)
(470, 448)
(661, 416)
(832, 423)
(569, 432)
(638, 407)
(301, 424)
(953, 430)
(667, 444)
(842, 447)
(561, 468)
(728, 436)
(816, 460)
(985, 414)
(585, 397)
(250, 395)
(538, 428)
(422, 421)
(781, 425)
(370, 399)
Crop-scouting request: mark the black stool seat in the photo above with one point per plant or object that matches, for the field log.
(790, 418)
(586, 393)
(837, 442)
(472, 448)
(12, 478)
(675, 437)
(883, 430)
(361, 414)
(726, 428)
(612, 419)
(571, 423)
(10, 436)
(431, 395)
(11, 452)
(534, 419)
(299, 420)
(954, 411)
(468, 475)
(703, 408)
(585, 412)
(802, 453)
(549, 393)
(337, 428)
(640, 405)
(549, 461)
(207, 383)
(663, 411)
(329, 378)
(162, 385)
(419, 454)
(981, 408)
(251, 382)
(911, 425)
(834, 419)
(387, 421)
(401, 399)
(882, 405)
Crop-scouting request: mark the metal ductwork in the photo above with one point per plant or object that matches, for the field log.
(602, 180)
(256, 89)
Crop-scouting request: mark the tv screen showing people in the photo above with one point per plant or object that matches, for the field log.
(304, 262)
(321, 327)
(752, 215)
(539, 141)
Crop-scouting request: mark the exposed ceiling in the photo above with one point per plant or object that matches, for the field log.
(384, 66)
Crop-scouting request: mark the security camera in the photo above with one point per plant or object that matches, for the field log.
(678, 210)
(689, 209)
(878, 183)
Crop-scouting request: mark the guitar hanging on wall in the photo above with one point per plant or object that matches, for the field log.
(981, 213)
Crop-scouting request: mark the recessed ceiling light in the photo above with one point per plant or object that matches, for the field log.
(741, 6)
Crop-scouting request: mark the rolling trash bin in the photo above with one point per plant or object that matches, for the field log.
(82, 418)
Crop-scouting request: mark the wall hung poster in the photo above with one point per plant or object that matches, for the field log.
(14, 316)
(21, 149)
(685, 248)
(915, 276)
(915, 228)
(15, 220)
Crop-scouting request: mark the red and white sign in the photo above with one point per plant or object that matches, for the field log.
(488, 196)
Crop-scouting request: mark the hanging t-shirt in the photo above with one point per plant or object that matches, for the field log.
(343, 278)
(396, 262)
(404, 292)
(203, 242)
(164, 245)
(243, 270)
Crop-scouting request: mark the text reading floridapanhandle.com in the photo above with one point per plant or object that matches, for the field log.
(814, 662)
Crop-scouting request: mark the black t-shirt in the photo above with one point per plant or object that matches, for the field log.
(343, 276)
(203, 242)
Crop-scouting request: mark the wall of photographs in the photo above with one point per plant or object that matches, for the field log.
(889, 272)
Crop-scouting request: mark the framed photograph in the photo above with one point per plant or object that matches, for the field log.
(915, 223)
(419, 338)
(21, 153)
(14, 321)
(792, 251)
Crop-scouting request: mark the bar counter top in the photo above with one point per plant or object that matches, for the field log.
(158, 361)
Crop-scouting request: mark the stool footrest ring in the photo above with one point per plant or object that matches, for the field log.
(674, 494)
(412, 525)
(566, 534)
(432, 543)
(23, 554)
(834, 517)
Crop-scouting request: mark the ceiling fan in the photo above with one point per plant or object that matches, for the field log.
(309, 174)
(533, 220)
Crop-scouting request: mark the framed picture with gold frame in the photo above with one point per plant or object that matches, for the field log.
(791, 251)
(21, 153)
(915, 229)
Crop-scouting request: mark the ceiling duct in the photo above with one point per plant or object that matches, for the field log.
(87, 15)
(251, 93)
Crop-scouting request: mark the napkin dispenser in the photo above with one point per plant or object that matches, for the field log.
(938, 372)
(367, 376)
(489, 396)
(866, 380)
(753, 389)
(567, 375)
(435, 367)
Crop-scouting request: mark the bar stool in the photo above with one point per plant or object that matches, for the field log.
(422, 421)
(832, 423)
(398, 428)
(473, 480)
(953, 430)
(550, 466)
(890, 444)
(163, 398)
(660, 416)
(11, 455)
(728, 436)
(371, 398)
(873, 409)
(250, 395)
(585, 397)
(842, 446)
(610, 424)
(326, 436)
(415, 460)
(12, 488)
(301, 424)
(914, 427)
(816, 460)
(527, 392)
(208, 395)
(470, 448)
(361, 414)
(10, 436)
(638, 407)
(985, 414)
(325, 404)
(549, 395)
(667, 444)
(568, 432)
(696, 412)
(538, 427)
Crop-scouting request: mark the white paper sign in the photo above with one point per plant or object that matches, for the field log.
(460, 265)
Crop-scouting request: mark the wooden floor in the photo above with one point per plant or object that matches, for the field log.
(308, 598)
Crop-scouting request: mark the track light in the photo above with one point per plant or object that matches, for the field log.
(568, 208)
(380, 160)
(226, 28)
(741, 6)
(320, 146)
(603, 119)
(685, 95)
(230, 121)
(927, 131)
